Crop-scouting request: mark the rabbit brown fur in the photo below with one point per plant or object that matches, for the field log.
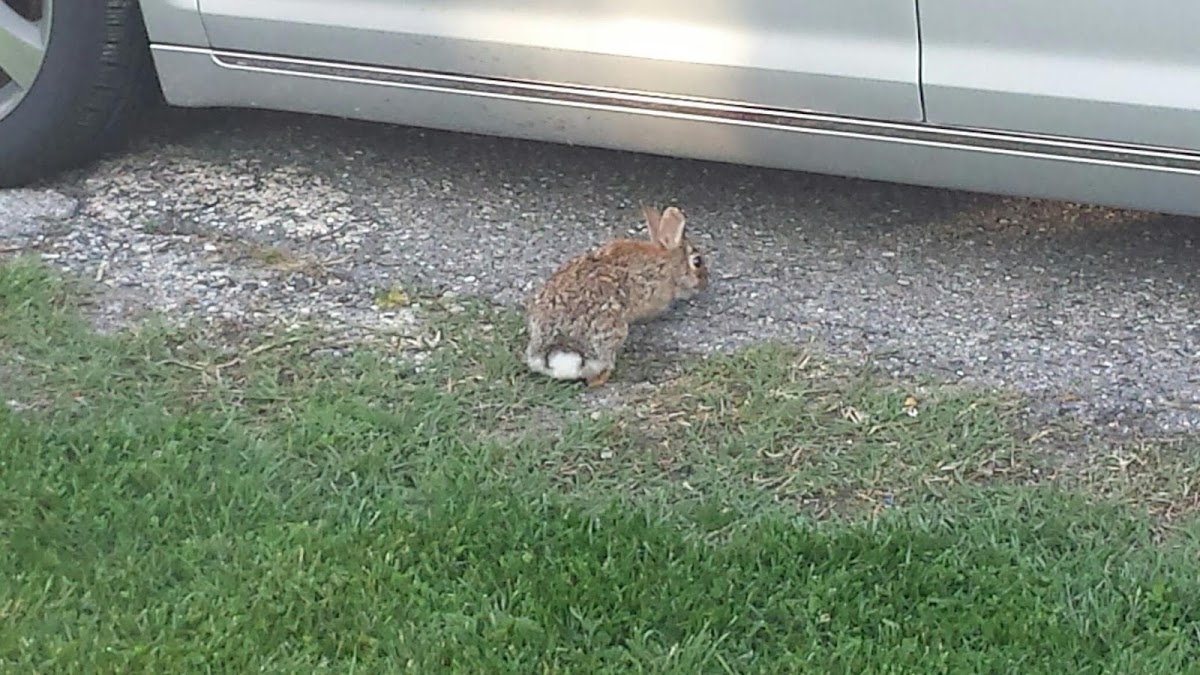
(579, 319)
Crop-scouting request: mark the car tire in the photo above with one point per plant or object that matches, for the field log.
(96, 74)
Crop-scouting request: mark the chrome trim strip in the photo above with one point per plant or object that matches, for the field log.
(726, 112)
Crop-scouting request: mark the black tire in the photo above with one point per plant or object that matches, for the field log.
(96, 76)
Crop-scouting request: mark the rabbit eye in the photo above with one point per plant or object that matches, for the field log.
(697, 261)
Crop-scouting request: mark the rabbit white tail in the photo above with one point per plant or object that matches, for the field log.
(566, 365)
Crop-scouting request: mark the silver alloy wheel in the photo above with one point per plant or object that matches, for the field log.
(24, 35)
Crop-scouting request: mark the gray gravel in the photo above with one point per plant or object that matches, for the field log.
(1091, 311)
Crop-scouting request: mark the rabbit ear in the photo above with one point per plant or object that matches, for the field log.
(668, 231)
(652, 219)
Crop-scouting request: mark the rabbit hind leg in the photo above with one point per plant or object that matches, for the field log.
(600, 379)
(604, 347)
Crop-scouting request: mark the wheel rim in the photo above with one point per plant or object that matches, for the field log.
(24, 35)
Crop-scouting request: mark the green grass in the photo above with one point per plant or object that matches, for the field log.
(168, 504)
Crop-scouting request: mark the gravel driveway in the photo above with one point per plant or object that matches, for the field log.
(245, 218)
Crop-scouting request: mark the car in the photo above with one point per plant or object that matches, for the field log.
(1071, 100)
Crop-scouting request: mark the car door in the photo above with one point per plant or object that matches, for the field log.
(851, 57)
(1125, 72)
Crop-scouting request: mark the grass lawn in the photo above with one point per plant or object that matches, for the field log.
(294, 505)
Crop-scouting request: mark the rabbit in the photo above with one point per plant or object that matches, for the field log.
(579, 320)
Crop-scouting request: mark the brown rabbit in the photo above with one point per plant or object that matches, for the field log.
(579, 319)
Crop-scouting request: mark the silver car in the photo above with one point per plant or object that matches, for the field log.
(1071, 99)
